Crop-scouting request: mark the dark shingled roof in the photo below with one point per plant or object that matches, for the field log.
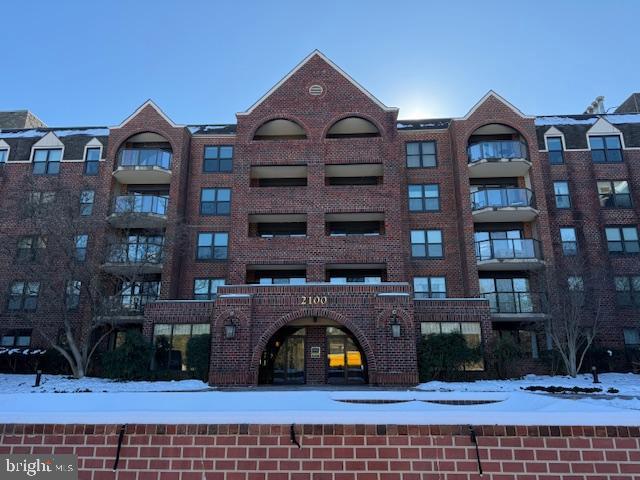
(74, 140)
(425, 124)
(221, 129)
(575, 128)
(20, 119)
(630, 105)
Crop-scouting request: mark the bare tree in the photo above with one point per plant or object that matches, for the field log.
(576, 311)
(80, 297)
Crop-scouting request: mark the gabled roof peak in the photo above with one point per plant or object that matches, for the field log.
(501, 99)
(153, 105)
(313, 54)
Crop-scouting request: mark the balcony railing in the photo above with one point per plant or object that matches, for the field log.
(497, 150)
(136, 253)
(502, 198)
(517, 302)
(141, 204)
(126, 305)
(508, 249)
(144, 157)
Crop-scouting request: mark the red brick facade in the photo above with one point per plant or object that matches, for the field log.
(365, 311)
(335, 452)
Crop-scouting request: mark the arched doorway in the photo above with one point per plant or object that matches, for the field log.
(314, 351)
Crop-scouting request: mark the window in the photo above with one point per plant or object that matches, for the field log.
(16, 338)
(426, 243)
(421, 154)
(92, 161)
(218, 159)
(575, 283)
(215, 201)
(606, 149)
(23, 296)
(41, 198)
(509, 295)
(622, 239)
(171, 343)
(614, 194)
(569, 241)
(471, 332)
(632, 338)
(72, 294)
(81, 242)
(424, 198)
(46, 161)
(212, 246)
(430, 287)
(206, 288)
(4, 153)
(354, 278)
(561, 191)
(135, 295)
(627, 290)
(86, 202)
(554, 147)
(30, 247)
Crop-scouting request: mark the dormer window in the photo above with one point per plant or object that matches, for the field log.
(92, 161)
(4, 153)
(46, 161)
(605, 148)
(554, 147)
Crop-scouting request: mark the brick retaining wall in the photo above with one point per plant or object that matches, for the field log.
(335, 452)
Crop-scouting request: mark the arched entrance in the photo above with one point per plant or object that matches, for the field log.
(313, 351)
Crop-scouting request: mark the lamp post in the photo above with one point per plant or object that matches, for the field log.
(395, 324)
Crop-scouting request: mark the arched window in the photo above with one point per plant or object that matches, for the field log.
(280, 129)
(353, 127)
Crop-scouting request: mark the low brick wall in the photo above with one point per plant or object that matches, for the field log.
(335, 452)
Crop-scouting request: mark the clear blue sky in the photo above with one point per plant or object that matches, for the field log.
(92, 63)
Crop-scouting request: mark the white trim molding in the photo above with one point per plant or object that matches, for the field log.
(155, 107)
(93, 143)
(318, 53)
(49, 142)
(553, 132)
(5, 146)
(486, 97)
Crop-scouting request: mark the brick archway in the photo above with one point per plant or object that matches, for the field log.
(356, 331)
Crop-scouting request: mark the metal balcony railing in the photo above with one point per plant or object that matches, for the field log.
(517, 302)
(137, 253)
(502, 198)
(497, 149)
(144, 157)
(508, 249)
(141, 204)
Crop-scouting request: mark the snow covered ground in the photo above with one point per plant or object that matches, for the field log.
(171, 402)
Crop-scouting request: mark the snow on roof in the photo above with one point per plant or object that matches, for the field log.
(212, 129)
(612, 118)
(423, 124)
(62, 132)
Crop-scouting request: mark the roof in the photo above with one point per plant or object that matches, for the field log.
(423, 124)
(216, 129)
(630, 105)
(20, 119)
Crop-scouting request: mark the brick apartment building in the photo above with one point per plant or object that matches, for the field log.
(319, 236)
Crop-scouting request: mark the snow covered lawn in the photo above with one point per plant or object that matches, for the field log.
(169, 402)
(63, 384)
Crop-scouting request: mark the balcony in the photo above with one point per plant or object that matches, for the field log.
(517, 305)
(139, 211)
(143, 166)
(509, 254)
(498, 158)
(503, 205)
(130, 258)
(124, 308)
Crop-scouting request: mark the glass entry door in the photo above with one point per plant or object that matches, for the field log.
(283, 361)
(345, 361)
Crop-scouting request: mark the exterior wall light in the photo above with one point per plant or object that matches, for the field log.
(395, 324)
(229, 327)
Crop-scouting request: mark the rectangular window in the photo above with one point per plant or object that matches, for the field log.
(218, 159)
(212, 246)
(569, 241)
(16, 338)
(171, 343)
(4, 153)
(41, 198)
(627, 290)
(72, 294)
(421, 154)
(606, 149)
(632, 337)
(471, 331)
(622, 239)
(46, 161)
(206, 288)
(215, 201)
(575, 283)
(426, 243)
(554, 147)
(30, 247)
(86, 202)
(92, 161)
(23, 296)
(614, 194)
(561, 192)
(81, 242)
(430, 287)
(135, 295)
(424, 198)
